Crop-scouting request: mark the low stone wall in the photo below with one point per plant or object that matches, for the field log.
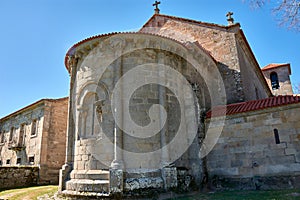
(13, 177)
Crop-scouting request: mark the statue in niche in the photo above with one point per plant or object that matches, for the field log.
(99, 117)
(99, 111)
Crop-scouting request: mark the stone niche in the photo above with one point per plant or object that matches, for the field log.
(136, 102)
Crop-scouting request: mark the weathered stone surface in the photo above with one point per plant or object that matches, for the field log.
(12, 177)
(116, 181)
(256, 152)
(132, 184)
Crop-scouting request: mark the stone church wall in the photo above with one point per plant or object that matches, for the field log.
(97, 136)
(252, 80)
(140, 103)
(221, 43)
(248, 154)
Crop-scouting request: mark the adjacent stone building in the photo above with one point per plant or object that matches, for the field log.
(179, 104)
(36, 136)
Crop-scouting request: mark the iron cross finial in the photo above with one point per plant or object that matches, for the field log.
(229, 18)
(156, 7)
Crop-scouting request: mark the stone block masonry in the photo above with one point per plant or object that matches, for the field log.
(36, 136)
(13, 177)
(250, 155)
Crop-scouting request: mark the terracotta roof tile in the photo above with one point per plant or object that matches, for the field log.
(248, 106)
(276, 65)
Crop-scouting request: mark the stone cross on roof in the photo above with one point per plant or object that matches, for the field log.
(229, 18)
(156, 7)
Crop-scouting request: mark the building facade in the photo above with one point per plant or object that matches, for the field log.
(36, 136)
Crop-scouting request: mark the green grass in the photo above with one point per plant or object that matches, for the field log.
(28, 193)
(34, 192)
(247, 195)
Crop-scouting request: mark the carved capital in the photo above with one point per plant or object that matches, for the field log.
(72, 61)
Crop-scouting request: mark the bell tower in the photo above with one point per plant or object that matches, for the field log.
(278, 78)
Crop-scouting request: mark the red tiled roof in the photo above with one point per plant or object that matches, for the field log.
(248, 106)
(276, 65)
(73, 48)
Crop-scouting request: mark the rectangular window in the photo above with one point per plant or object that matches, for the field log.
(18, 161)
(31, 160)
(34, 127)
(8, 162)
(2, 137)
(21, 134)
(12, 133)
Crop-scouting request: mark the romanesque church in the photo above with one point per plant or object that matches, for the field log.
(180, 104)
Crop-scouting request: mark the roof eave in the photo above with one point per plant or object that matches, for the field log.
(30, 106)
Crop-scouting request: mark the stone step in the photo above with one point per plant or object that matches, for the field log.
(90, 174)
(87, 185)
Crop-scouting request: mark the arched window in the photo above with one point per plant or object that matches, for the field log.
(274, 80)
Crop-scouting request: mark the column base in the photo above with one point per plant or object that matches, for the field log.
(116, 179)
(64, 175)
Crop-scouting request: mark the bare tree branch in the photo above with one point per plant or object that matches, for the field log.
(296, 88)
(257, 3)
(287, 11)
(289, 14)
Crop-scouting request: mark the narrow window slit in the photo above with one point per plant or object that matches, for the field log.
(276, 135)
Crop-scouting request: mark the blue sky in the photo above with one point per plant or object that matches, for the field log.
(35, 36)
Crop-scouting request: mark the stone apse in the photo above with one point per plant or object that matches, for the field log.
(136, 114)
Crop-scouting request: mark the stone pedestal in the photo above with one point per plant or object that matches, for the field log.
(116, 181)
(169, 175)
(63, 176)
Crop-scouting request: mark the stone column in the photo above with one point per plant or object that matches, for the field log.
(64, 173)
(117, 165)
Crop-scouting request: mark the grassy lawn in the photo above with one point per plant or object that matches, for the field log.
(247, 195)
(29, 193)
(32, 193)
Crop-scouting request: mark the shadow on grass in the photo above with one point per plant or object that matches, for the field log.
(246, 195)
